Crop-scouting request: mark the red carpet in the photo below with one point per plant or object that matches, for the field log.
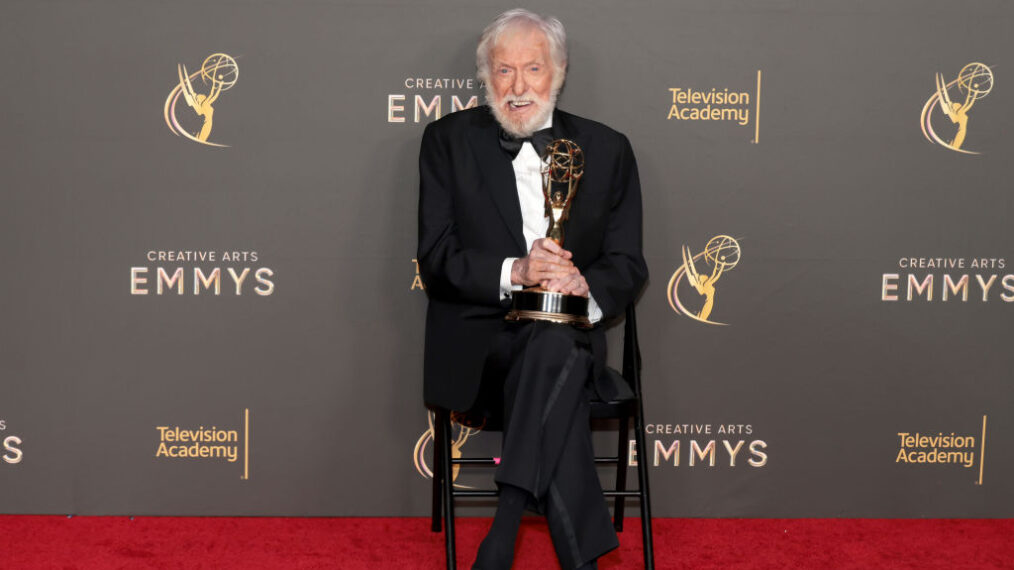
(361, 543)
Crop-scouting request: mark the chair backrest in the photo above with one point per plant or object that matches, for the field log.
(631, 352)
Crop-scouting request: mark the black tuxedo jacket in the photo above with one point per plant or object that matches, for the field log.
(470, 220)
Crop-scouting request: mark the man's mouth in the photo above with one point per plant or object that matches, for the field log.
(514, 105)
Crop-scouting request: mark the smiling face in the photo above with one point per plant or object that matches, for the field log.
(520, 88)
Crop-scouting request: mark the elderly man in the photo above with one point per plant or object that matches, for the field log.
(482, 228)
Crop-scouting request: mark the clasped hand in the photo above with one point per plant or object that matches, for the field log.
(549, 266)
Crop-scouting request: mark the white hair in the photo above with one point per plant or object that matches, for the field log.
(518, 17)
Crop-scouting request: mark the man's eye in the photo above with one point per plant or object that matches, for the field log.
(504, 70)
(535, 68)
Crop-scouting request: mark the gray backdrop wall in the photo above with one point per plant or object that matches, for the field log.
(871, 300)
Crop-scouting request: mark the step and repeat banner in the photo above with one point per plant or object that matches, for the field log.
(210, 303)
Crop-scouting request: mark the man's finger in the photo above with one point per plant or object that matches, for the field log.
(544, 255)
(541, 270)
(570, 285)
(552, 265)
(578, 288)
(558, 284)
(555, 277)
(551, 246)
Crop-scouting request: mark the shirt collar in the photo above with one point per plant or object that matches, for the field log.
(548, 123)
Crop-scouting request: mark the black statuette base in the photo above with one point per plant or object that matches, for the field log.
(538, 305)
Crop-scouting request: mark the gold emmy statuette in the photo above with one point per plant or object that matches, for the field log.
(976, 80)
(559, 185)
(218, 73)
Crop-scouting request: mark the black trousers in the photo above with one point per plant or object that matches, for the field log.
(542, 373)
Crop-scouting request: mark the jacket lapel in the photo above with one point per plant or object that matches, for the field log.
(498, 176)
(562, 129)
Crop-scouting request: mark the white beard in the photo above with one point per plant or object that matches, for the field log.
(521, 129)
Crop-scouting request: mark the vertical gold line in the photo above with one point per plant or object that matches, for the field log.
(756, 117)
(246, 443)
(982, 454)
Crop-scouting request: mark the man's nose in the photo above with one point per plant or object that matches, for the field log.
(519, 85)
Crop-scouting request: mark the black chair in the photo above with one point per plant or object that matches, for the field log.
(444, 492)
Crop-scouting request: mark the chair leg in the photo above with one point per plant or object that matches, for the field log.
(448, 483)
(622, 450)
(642, 475)
(438, 469)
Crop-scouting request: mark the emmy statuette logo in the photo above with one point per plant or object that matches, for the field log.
(954, 100)
(720, 255)
(218, 73)
(460, 433)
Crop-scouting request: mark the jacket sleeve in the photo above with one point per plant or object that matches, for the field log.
(451, 270)
(617, 276)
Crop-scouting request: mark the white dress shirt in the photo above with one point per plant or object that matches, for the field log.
(528, 174)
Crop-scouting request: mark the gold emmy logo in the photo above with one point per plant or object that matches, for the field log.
(974, 82)
(463, 432)
(218, 73)
(721, 254)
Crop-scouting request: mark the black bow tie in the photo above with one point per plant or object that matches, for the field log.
(539, 139)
